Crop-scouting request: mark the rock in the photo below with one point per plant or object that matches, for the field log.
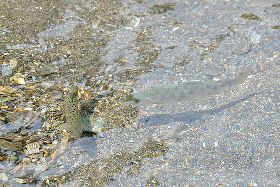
(9, 146)
(48, 69)
(32, 148)
(18, 78)
(241, 48)
(3, 177)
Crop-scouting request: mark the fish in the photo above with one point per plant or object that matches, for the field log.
(73, 116)
(188, 91)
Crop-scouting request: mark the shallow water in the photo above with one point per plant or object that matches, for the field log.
(229, 139)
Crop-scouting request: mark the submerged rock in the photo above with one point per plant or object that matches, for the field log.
(9, 146)
(241, 48)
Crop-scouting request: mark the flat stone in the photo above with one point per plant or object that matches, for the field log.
(241, 48)
(9, 146)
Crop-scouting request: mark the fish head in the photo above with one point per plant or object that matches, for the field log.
(131, 100)
(73, 93)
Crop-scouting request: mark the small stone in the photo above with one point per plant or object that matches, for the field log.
(3, 177)
(32, 148)
(9, 90)
(18, 78)
(19, 180)
(6, 69)
(241, 48)
(255, 37)
(97, 125)
(13, 62)
(39, 167)
(49, 69)
(10, 158)
(9, 146)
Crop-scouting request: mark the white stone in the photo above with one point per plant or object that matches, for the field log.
(3, 177)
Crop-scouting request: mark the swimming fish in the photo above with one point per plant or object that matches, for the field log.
(73, 116)
(189, 91)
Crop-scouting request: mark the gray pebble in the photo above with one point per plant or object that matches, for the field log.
(241, 48)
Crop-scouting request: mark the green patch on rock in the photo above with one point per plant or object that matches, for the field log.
(275, 27)
(276, 5)
(251, 17)
(158, 9)
(130, 98)
(9, 146)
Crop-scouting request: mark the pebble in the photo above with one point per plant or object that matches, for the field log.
(10, 158)
(9, 90)
(97, 125)
(3, 177)
(241, 48)
(18, 78)
(39, 167)
(255, 37)
(9, 146)
(49, 69)
(32, 148)
(6, 69)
